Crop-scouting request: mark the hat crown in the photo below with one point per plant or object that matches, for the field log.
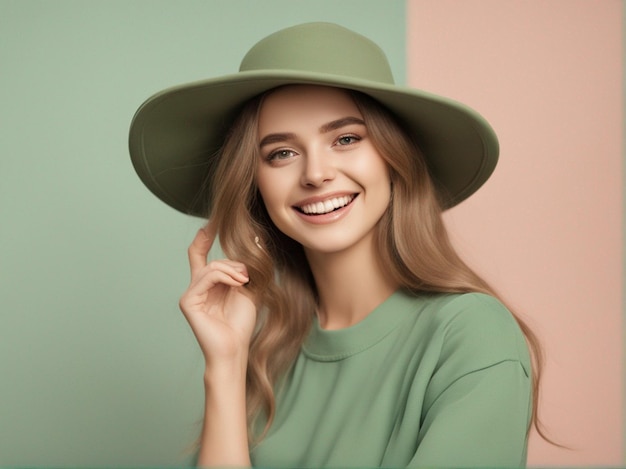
(176, 134)
(323, 48)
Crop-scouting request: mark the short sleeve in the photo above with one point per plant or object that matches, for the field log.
(478, 403)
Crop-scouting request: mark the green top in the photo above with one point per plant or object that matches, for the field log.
(439, 380)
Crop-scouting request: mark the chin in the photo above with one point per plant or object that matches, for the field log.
(336, 246)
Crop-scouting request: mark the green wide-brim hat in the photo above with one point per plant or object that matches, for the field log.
(176, 134)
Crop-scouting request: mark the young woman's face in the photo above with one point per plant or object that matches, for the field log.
(321, 179)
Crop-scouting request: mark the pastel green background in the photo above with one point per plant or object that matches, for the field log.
(97, 365)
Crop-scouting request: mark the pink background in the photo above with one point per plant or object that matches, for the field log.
(546, 229)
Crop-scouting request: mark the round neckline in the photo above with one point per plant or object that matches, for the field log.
(338, 344)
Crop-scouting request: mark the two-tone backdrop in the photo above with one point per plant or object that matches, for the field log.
(98, 367)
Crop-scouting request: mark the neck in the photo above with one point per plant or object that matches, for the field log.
(350, 284)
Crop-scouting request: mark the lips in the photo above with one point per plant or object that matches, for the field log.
(326, 206)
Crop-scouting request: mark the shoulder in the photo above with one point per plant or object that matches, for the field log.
(482, 315)
(474, 331)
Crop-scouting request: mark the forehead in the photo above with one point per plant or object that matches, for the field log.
(294, 105)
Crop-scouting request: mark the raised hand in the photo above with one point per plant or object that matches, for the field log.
(218, 307)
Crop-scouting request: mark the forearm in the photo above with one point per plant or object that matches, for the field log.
(224, 440)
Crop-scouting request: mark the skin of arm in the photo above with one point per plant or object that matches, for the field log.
(224, 440)
(222, 315)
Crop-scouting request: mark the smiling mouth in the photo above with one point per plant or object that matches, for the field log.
(327, 206)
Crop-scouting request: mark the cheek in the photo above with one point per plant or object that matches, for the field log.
(380, 188)
(263, 180)
(374, 173)
(270, 192)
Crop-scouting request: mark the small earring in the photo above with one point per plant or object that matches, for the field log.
(256, 241)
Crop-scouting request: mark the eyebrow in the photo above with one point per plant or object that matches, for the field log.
(328, 127)
(339, 123)
(276, 138)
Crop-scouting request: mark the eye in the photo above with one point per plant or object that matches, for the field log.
(281, 154)
(347, 140)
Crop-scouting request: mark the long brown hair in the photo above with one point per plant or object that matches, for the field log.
(412, 241)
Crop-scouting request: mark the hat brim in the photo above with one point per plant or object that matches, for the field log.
(176, 133)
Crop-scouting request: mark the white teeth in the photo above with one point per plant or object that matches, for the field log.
(319, 208)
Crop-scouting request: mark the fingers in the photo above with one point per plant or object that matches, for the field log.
(221, 269)
(200, 247)
(209, 278)
(201, 293)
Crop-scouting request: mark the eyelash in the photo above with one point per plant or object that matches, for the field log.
(275, 155)
(355, 138)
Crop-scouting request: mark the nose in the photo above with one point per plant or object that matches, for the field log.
(318, 168)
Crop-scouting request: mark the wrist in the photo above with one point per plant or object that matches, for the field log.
(226, 371)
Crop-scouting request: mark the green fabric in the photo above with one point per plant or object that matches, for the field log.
(422, 381)
(176, 134)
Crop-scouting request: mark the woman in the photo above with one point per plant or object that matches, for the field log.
(342, 329)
